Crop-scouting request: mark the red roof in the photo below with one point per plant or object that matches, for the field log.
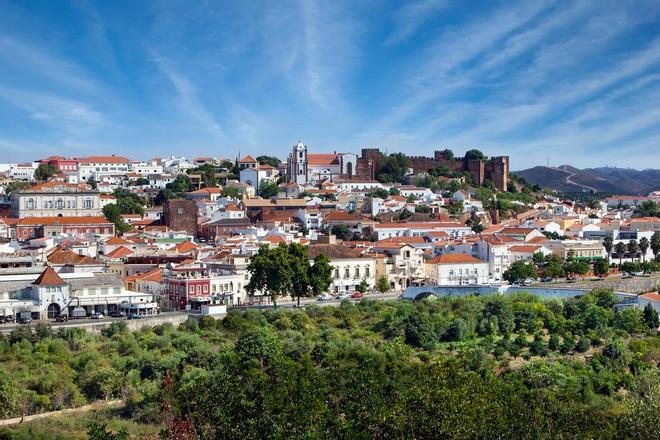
(454, 259)
(322, 159)
(37, 221)
(248, 159)
(49, 278)
(120, 252)
(522, 248)
(651, 296)
(184, 247)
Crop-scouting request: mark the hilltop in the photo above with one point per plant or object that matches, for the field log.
(603, 179)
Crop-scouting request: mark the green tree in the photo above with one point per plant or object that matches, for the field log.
(601, 268)
(447, 154)
(393, 168)
(418, 331)
(320, 275)
(643, 247)
(269, 160)
(270, 272)
(44, 171)
(608, 244)
(16, 185)
(620, 251)
(382, 284)
(655, 244)
(651, 317)
(98, 431)
(474, 155)
(233, 193)
(648, 208)
(9, 393)
(268, 189)
(300, 271)
(342, 232)
(113, 214)
(91, 182)
(519, 271)
(633, 248)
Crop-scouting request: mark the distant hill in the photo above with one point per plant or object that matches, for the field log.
(616, 180)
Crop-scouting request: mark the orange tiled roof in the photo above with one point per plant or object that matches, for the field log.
(49, 278)
(454, 259)
(322, 159)
(120, 252)
(36, 221)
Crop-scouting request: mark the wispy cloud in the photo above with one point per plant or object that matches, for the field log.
(188, 98)
(412, 16)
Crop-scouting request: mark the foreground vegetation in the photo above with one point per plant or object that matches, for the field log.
(472, 367)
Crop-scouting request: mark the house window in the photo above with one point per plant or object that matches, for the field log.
(87, 204)
(366, 271)
(336, 273)
(192, 289)
(357, 272)
(59, 204)
(347, 272)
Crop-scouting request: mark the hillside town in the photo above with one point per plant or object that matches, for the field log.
(110, 235)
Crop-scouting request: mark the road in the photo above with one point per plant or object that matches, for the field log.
(570, 182)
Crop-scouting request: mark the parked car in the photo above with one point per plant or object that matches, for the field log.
(344, 296)
(96, 315)
(61, 318)
(325, 297)
(117, 314)
(134, 316)
(357, 295)
(25, 320)
(7, 319)
(546, 279)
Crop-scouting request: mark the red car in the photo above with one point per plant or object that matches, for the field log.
(357, 295)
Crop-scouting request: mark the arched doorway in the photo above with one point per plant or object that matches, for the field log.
(53, 310)
(349, 170)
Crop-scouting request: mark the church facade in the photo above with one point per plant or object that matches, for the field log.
(305, 168)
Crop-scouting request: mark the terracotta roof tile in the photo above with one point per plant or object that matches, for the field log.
(49, 278)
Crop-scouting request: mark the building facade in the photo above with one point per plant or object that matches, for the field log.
(54, 198)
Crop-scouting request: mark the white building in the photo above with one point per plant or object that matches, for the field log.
(419, 229)
(457, 270)
(50, 294)
(56, 199)
(349, 266)
(255, 175)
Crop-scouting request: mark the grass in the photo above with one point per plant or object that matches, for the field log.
(74, 427)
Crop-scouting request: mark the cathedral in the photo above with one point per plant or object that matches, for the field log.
(306, 168)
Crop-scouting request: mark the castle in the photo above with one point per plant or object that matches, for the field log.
(495, 169)
(309, 168)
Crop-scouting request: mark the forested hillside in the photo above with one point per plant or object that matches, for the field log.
(473, 367)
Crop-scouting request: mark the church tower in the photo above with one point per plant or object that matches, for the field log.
(297, 164)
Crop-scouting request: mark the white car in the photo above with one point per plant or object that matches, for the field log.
(344, 296)
(325, 297)
(96, 315)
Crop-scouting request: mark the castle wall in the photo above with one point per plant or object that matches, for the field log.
(495, 169)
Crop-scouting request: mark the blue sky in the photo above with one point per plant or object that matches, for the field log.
(578, 81)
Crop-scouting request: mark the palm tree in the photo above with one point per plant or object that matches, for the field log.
(608, 244)
(620, 250)
(643, 247)
(655, 243)
(633, 247)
